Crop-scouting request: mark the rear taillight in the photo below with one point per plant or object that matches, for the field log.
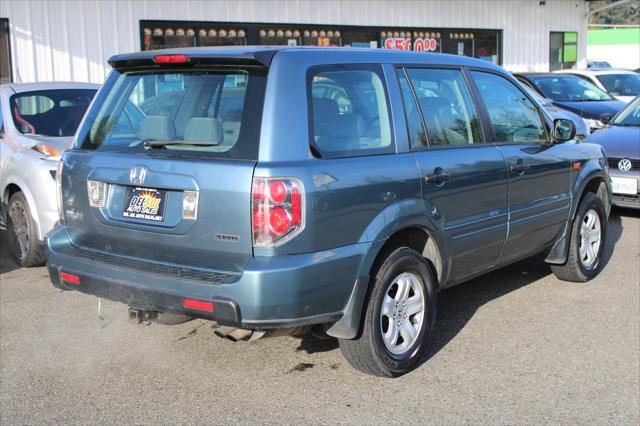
(190, 205)
(59, 189)
(97, 192)
(277, 206)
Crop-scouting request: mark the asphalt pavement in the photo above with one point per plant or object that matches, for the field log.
(513, 346)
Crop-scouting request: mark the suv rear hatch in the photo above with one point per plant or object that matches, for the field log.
(162, 167)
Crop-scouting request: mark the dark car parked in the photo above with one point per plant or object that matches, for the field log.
(583, 130)
(621, 142)
(574, 94)
(346, 189)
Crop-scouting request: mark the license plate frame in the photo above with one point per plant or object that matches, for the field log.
(625, 186)
(145, 204)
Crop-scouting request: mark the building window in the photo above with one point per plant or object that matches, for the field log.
(167, 35)
(479, 43)
(563, 50)
(5, 52)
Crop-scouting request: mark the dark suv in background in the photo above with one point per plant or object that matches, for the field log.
(341, 191)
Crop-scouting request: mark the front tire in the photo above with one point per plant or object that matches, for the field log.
(588, 235)
(399, 317)
(26, 249)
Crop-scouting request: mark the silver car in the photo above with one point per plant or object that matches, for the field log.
(37, 123)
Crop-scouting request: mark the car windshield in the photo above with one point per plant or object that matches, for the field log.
(629, 116)
(212, 113)
(569, 89)
(50, 112)
(621, 84)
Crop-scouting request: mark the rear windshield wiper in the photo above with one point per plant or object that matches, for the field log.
(159, 144)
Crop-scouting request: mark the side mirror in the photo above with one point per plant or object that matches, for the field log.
(605, 118)
(563, 130)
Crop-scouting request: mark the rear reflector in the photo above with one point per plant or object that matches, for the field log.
(70, 278)
(199, 305)
(170, 59)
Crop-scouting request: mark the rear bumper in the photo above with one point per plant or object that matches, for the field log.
(272, 292)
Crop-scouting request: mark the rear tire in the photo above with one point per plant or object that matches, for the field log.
(26, 249)
(399, 317)
(588, 235)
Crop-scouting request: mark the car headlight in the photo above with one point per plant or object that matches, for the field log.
(49, 152)
(593, 123)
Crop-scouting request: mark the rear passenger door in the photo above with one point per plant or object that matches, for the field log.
(539, 173)
(464, 179)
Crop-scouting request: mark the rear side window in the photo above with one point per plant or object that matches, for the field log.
(349, 111)
(55, 112)
(439, 100)
(201, 113)
(514, 118)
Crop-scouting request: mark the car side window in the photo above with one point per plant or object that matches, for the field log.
(417, 135)
(514, 118)
(443, 104)
(349, 111)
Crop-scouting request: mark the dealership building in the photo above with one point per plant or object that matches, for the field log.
(72, 40)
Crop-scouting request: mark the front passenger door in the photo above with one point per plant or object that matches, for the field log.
(539, 172)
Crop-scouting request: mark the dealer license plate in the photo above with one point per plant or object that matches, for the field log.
(145, 203)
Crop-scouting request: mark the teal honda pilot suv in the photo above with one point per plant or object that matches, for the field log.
(281, 190)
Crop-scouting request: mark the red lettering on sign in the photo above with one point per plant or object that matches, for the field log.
(397, 43)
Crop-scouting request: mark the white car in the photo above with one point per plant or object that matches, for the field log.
(37, 123)
(622, 84)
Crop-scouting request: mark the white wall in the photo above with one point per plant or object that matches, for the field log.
(72, 40)
(619, 56)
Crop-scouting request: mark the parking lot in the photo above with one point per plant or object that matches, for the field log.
(514, 346)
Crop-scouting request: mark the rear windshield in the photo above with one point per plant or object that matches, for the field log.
(210, 113)
(50, 112)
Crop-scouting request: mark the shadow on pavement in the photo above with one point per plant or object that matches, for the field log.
(458, 304)
(7, 264)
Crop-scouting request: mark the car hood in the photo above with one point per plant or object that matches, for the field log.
(618, 141)
(60, 143)
(592, 109)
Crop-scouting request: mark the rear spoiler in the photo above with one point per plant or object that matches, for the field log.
(260, 58)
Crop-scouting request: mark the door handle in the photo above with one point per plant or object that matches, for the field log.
(520, 167)
(439, 177)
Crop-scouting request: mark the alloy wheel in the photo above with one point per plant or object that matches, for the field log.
(590, 238)
(402, 314)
